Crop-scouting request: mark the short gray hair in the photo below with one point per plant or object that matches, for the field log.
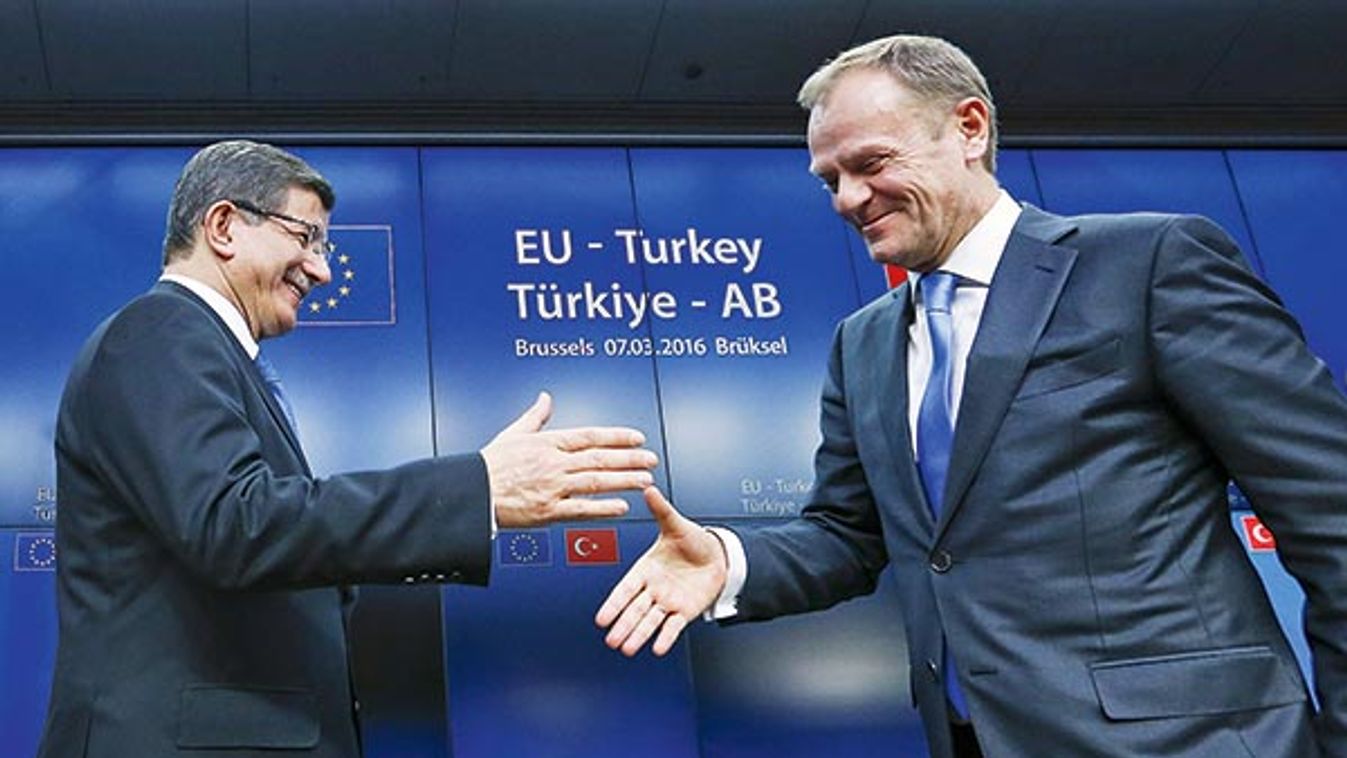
(934, 70)
(251, 172)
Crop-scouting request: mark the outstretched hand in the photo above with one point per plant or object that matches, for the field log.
(678, 578)
(538, 477)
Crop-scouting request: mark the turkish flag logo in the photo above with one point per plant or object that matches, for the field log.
(1258, 536)
(591, 546)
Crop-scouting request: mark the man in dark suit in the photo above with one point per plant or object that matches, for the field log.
(1036, 434)
(201, 582)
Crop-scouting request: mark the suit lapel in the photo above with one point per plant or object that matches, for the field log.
(250, 368)
(1024, 292)
(889, 378)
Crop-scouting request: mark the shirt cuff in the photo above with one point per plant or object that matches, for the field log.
(727, 604)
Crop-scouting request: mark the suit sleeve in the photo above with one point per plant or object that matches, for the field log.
(1235, 365)
(835, 550)
(166, 427)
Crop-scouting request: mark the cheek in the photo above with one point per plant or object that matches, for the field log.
(906, 190)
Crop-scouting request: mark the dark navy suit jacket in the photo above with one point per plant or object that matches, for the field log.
(1084, 568)
(200, 560)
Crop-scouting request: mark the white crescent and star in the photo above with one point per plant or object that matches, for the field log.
(583, 546)
(1261, 534)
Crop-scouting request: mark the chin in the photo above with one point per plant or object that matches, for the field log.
(282, 323)
(892, 257)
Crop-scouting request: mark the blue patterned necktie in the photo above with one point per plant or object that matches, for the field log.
(935, 423)
(273, 382)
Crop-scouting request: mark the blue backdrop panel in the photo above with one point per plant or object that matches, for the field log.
(831, 683)
(27, 635)
(492, 218)
(1014, 171)
(530, 675)
(358, 373)
(1296, 201)
(741, 428)
(1122, 181)
(80, 234)
(523, 655)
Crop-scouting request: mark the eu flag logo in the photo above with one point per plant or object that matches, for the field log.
(35, 551)
(361, 292)
(530, 547)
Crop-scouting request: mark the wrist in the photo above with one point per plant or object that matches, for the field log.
(722, 565)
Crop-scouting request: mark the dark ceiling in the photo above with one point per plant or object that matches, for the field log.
(1138, 71)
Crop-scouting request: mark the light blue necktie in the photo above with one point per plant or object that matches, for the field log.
(273, 382)
(935, 424)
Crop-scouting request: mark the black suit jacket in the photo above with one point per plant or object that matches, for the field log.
(200, 560)
(1084, 569)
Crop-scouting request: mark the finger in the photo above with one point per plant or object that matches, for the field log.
(666, 515)
(622, 596)
(580, 438)
(599, 482)
(580, 509)
(648, 625)
(668, 634)
(602, 458)
(532, 419)
(627, 622)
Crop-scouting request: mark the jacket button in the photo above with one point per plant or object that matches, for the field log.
(455, 576)
(933, 670)
(941, 561)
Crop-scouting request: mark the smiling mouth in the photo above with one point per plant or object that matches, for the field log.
(869, 227)
(297, 289)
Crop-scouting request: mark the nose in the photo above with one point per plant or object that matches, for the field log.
(852, 194)
(316, 268)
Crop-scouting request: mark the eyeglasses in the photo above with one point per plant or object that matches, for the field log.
(312, 239)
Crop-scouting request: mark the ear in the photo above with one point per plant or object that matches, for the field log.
(974, 122)
(217, 229)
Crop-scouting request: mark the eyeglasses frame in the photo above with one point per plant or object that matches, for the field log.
(312, 242)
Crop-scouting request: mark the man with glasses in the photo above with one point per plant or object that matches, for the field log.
(201, 582)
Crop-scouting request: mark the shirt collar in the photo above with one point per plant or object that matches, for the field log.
(222, 307)
(976, 256)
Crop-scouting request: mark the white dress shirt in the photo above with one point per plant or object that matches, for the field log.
(974, 261)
